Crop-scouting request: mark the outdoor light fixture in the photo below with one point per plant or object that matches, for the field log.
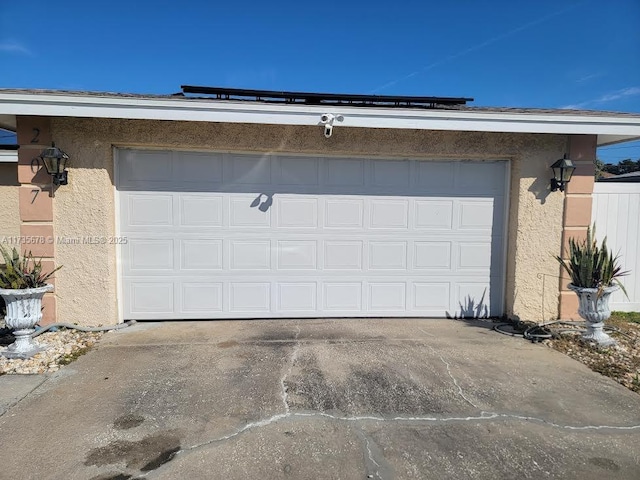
(562, 171)
(55, 161)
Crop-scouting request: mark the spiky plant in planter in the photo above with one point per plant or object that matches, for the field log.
(595, 274)
(22, 286)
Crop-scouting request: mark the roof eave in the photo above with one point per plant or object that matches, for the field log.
(609, 128)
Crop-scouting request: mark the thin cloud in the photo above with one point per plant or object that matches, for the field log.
(479, 46)
(606, 98)
(625, 92)
(587, 78)
(10, 46)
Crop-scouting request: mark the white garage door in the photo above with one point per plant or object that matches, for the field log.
(225, 235)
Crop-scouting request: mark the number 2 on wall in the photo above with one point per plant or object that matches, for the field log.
(36, 135)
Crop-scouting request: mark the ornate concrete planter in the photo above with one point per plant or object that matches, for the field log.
(24, 311)
(594, 309)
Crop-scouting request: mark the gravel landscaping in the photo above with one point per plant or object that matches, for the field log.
(64, 346)
(621, 362)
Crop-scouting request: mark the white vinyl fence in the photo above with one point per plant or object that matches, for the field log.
(616, 213)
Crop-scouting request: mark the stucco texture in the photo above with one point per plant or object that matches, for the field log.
(9, 206)
(87, 285)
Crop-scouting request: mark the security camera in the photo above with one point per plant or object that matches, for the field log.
(327, 118)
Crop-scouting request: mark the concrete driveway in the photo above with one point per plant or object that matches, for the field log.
(316, 399)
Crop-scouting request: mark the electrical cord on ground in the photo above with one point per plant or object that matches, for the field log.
(120, 326)
(539, 332)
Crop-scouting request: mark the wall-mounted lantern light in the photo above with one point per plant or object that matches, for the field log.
(562, 171)
(55, 162)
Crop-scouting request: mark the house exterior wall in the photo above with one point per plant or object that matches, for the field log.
(35, 204)
(9, 215)
(577, 212)
(87, 285)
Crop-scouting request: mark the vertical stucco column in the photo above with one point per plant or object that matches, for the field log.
(35, 204)
(577, 211)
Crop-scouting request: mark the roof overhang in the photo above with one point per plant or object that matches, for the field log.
(8, 156)
(609, 128)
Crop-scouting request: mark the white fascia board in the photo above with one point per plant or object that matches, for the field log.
(8, 156)
(12, 103)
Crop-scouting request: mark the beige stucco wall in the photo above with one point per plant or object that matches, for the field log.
(87, 287)
(9, 210)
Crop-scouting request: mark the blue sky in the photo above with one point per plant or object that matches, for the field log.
(543, 53)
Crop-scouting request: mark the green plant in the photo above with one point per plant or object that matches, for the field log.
(20, 272)
(628, 317)
(591, 265)
(74, 355)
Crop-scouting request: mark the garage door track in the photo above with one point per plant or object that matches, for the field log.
(316, 399)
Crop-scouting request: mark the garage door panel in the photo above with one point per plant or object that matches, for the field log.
(474, 256)
(473, 299)
(250, 255)
(248, 170)
(202, 297)
(434, 214)
(430, 296)
(250, 211)
(432, 255)
(149, 211)
(390, 174)
(343, 255)
(344, 213)
(135, 166)
(389, 214)
(286, 236)
(250, 297)
(342, 297)
(475, 215)
(299, 171)
(434, 177)
(480, 177)
(150, 298)
(297, 297)
(194, 167)
(201, 211)
(390, 296)
(146, 254)
(201, 254)
(387, 255)
(344, 172)
(297, 255)
(297, 212)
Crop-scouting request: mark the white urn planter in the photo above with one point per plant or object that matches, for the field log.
(24, 311)
(594, 309)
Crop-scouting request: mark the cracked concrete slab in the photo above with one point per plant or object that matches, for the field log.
(322, 399)
(504, 449)
(292, 448)
(14, 388)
